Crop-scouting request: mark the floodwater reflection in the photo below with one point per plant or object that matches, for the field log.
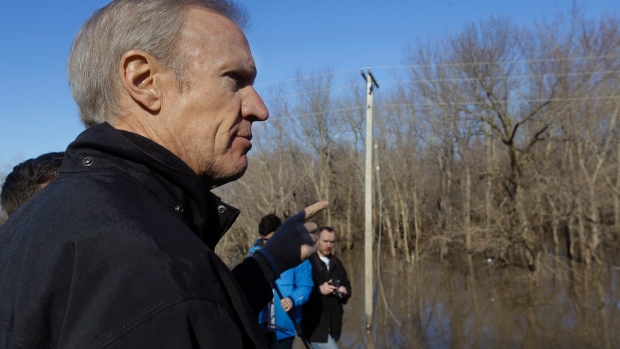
(484, 306)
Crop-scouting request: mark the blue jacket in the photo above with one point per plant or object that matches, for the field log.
(295, 283)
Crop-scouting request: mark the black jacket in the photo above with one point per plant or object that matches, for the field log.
(117, 252)
(323, 314)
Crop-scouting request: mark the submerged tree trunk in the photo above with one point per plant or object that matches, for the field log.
(349, 239)
(416, 226)
(617, 195)
(467, 209)
(390, 231)
(404, 211)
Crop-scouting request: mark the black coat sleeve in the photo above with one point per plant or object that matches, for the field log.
(253, 284)
(345, 282)
(194, 324)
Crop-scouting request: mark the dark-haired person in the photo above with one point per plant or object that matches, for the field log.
(281, 317)
(117, 251)
(322, 315)
(27, 178)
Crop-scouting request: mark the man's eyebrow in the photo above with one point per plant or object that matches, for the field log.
(246, 73)
(242, 66)
(252, 72)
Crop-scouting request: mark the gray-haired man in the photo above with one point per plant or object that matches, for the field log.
(117, 252)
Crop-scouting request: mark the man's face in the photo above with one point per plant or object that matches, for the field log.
(326, 243)
(209, 121)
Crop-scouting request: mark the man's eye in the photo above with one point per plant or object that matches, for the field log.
(233, 77)
(241, 80)
(238, 79)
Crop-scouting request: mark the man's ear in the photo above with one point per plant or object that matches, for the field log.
(138, 71)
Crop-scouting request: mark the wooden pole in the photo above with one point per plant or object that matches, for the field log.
(368, 231)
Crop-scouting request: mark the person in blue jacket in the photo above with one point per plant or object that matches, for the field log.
(290, 292)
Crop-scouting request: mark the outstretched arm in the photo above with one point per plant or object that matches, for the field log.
(291, 244)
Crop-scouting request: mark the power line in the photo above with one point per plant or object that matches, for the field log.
(317, 112)
(497, 102)
(305, 77)
(456, 64)
(502, 77)
(309, 92)
(458, 79)
(399, 105)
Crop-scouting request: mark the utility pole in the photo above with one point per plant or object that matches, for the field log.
(370, 81)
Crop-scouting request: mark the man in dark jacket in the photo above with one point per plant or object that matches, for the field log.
(322, 315)
(117, 251)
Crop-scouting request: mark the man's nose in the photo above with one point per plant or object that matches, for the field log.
(252, 105)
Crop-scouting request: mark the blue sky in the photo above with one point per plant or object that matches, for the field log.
(38, 115)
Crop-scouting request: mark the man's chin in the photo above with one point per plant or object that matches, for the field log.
(219, 180)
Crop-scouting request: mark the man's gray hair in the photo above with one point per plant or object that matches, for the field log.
(152, 26)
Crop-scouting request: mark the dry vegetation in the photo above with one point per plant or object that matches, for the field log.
(499, 141)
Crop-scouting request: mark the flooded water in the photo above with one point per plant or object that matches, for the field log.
(433, 305)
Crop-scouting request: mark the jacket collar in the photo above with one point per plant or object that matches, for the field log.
(317, 263)
(159, 171)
